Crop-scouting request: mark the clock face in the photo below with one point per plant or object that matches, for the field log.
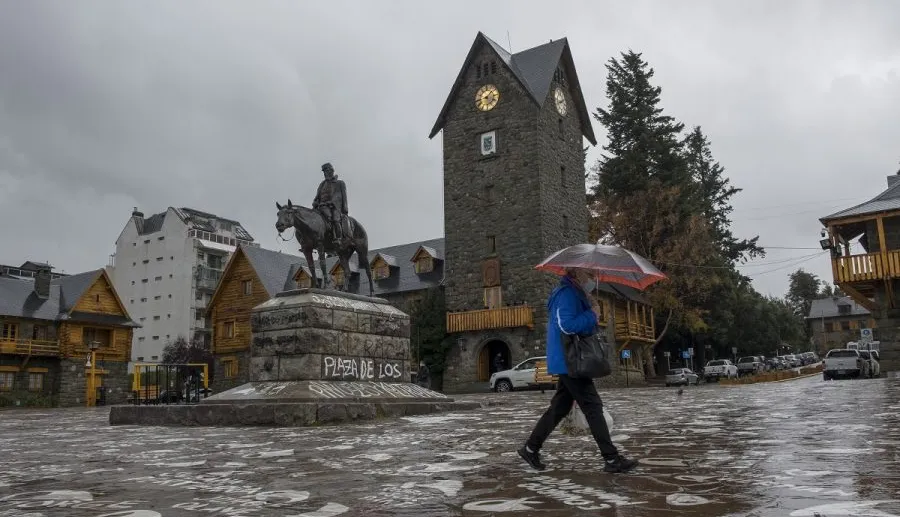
(560, 98)
(487, 97)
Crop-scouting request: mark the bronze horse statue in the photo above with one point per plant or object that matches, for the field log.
(313, 233)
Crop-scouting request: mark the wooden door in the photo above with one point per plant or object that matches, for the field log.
(483, 365)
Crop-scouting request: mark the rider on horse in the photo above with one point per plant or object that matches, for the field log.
(331, 201)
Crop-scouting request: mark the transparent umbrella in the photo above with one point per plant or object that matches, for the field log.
(611, 264)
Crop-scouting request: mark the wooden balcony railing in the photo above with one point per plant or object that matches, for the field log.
(502, 317)
(32, 347)
(634, 331)
(867, 267)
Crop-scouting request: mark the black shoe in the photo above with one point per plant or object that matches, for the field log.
(619, 464)
(533, 458)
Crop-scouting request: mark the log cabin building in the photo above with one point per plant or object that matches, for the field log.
(868, 270)
(46, 326)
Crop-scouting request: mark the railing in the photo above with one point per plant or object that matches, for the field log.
(34, 347)
(207, 277)
(867, 267)
(155, 383)
(633, 330)
(502, 317)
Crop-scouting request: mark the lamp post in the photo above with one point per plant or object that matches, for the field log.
(92, 364)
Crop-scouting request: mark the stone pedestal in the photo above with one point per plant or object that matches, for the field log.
(316, 356)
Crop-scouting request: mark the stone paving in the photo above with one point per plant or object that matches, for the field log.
(800, 448)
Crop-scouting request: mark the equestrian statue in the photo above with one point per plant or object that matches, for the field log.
(327, 228)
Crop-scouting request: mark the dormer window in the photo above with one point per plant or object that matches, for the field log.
(424, 259)
(381, 266)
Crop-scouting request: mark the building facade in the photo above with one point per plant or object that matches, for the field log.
(29, 269)
(836, 321)
(514, 127)
(865, 247)
(47, 330)
(166, 268)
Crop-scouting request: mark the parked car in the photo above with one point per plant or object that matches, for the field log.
(520, 376)
(681, 377)
(844, 362)
(749, 365)
(718, 369)
(870, 357)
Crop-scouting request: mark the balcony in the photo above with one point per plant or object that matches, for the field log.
(634, 322)
(207, 277)
(29, 347)
(867, 267)
(485, 319)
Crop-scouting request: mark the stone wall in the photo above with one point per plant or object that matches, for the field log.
(73, 382)
(21, 395)
(320, 335)
(460, 374)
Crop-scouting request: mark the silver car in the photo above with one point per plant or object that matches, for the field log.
(681, 377)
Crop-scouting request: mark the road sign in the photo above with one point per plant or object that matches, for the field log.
(691, 352)
(666, 353)
(865, 335)
(686, 354)
(734, 350)
(626, 354)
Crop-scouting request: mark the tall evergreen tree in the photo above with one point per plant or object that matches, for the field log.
(715, 192)
(643, 143)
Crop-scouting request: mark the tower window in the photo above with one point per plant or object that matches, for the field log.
(493, 67)
(484, 69)
(562, 132)
(491, 244)
(489, 194)
(562, 175)
(559, 76)
(565, 226)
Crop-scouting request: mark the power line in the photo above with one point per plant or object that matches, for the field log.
(783, 267)
(759, 264)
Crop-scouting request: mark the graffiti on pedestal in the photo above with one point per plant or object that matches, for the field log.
(360, 368)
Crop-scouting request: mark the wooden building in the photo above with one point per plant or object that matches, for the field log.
(47, 327)
(865, 245)
(835, 321)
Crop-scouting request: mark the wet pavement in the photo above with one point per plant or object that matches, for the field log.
(800, 448)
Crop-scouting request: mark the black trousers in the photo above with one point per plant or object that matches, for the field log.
(574, 390)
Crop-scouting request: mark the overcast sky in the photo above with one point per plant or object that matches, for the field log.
(227, 106)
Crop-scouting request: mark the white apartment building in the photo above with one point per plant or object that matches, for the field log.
(166, 268)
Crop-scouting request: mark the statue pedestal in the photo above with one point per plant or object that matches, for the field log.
(316, 356)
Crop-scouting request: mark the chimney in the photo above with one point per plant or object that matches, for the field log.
(42, 283)
(138, 219)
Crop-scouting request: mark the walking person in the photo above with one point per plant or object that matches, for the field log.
(572, 311)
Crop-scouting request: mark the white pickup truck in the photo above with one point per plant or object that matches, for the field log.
(843, 362)
(719, 368)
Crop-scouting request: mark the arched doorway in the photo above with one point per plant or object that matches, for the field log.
(487, 359)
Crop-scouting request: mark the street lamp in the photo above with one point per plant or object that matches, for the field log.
(92, 364)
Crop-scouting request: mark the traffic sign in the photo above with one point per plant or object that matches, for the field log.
(734, 350)
(626, 354)
(685, 354)
(691, 351)
(865, 335)
(666, 353)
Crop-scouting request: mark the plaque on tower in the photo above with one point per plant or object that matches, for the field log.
(488, 143)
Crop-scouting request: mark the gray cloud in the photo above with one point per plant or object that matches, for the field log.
(228, 106)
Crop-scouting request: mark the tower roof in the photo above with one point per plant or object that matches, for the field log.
(533, 69)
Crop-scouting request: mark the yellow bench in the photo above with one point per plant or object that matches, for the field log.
(541, 377)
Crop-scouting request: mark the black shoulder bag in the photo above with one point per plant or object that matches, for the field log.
(587, 356)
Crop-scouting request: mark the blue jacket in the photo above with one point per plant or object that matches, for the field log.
(569, 312)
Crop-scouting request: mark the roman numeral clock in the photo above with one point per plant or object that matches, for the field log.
(486, 98)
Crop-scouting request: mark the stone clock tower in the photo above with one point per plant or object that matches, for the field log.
(514, 127)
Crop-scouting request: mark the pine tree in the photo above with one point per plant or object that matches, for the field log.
(715, 192)
(643, 142)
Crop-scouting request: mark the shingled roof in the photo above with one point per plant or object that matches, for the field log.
(274, 269)
(534, 69)
(19, 300)
(887, 201)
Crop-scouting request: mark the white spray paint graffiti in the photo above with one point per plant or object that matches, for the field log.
(360, 368)
(342, 389)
